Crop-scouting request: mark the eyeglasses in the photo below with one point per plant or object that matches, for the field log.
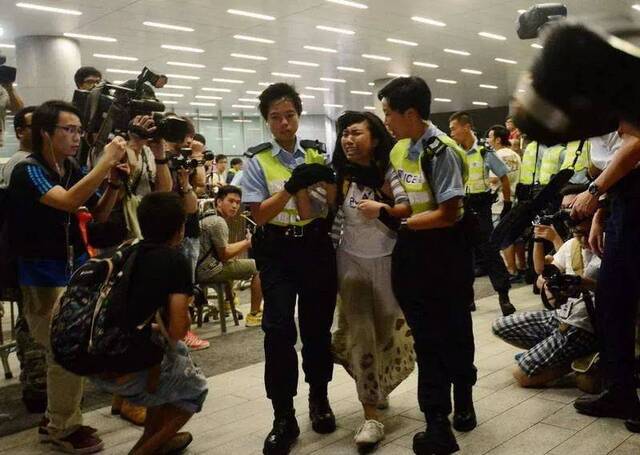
(72, 129)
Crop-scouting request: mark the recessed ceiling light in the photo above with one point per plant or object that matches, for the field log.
(49, 9)
(238, 12)
(301, 63)
(470, 71)
(377, 57)
(320, 49)
(255, 39)
(426, 65)
(168, 26)
(307, 97)
(397, 75)
(8, 46)
(208, 97)
(249, 100)
(401, 41)
(338, 106)
(211, 89)
(173, 47)
(241, 120)
(333, 79)
(119, 71)
(360, 92)
(303, 113)
(118, 82)
(442, 100)
(369, 108)
(505, 60)
(349, 3)
(492, 36)
(457, 52)
(494, 87)
(295, 76)
(243, 106)
(371, 84)
(171, 95)
(169, 102)
(480, 103)
(521, 90)
(116, 57)
(446, 81)
(249, 57)
(317, 89)
(350, 69)
(238, 70)
(188, 65)
(520, 11)
(254, 92)
(179, 87)
(228, 81)
(344, 31)
(636, 7)
(265, 84)
(426, 20)
(107, 39)
(536, 46)
(183, 76)
(200, 103)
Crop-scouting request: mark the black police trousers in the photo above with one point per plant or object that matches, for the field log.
(303, 269)
(432, 277)
(487, 252)
(618, 288)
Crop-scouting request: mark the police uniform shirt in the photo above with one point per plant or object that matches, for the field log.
(446, 179)
(491, 162)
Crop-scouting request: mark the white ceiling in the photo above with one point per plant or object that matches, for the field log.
(294, 27)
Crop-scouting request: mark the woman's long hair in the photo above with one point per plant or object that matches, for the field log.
(380, 156)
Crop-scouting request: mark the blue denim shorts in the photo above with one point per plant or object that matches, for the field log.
(181, 383)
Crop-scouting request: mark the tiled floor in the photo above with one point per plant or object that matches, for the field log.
(236, 416)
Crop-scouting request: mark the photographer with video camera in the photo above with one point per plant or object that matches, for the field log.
(9, 98)
(563, 332)
(46, 190)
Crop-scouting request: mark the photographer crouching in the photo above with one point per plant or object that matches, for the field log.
(563, 332)
(186, 166)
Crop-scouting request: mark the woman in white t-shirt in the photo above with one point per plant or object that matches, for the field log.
(373, 340)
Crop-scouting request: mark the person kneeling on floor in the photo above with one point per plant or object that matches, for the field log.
(160, 374)
(555, 338)
(218, 261)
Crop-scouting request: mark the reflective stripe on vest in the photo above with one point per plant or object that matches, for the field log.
(276, 174)
(583, 159)
(411, 175)
(548, 168)
(477, 182)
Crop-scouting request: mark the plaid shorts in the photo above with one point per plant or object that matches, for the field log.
(549, 342)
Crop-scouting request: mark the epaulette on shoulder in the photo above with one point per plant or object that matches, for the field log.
(252, 151)
(433, 146)
(316, 145)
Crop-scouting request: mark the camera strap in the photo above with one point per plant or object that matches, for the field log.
(578, 153)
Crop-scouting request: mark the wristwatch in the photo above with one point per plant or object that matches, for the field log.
(594, 189)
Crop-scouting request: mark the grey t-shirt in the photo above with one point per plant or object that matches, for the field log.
(214, 234)
(7, 169)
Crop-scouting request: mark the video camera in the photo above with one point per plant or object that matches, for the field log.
(7, 73)
(183, 159)
(583, 82)
(109, 108)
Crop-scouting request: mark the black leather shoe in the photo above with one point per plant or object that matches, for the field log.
(465, 420)
(464, 415)
(322, 419)
(438, 439)
(613, 403)
(283, 435)
(633, 425)
(506, 306)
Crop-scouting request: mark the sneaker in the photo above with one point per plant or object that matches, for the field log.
(194, 342)
(370, 433)
(383, 404)
(254, 320)
(80, 441)
(45, 436)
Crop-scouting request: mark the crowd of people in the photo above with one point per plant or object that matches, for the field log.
(386, 236)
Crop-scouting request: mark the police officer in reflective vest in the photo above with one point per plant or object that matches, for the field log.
(482, 159)
(539, 164)
(432, 269)
(578, 157)
(287, 184)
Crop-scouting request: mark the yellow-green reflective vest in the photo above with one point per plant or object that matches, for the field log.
(412, 178)
(276, 174)
(548, 168)
(583, 160)
(477, 182)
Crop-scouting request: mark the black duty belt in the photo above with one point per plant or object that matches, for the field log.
(318, 226)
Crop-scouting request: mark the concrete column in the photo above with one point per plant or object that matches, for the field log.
(46, 65)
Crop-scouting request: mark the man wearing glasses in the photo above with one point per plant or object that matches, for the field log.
(46, 190)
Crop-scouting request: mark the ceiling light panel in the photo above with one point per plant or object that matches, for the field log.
(173, 47)
(426, 65)
(505, 60)
(457, 52)
(492, 36)
(8, 46)
(250, 14)
(289, 75)
(442, 100)
(377, 57)
(168, 26)
(227, 81)
(116, 57)
(360, 92)
(254, 39)
(301, 63)
(187, 65)
(183, 76)
(208, 97)
(342, 31)
(537, 46)
(233, 69)
(49, 9)
(401, 41)
(470, 71)
(212, 89)
(119, 71)
(493, 87)
(480, 103)
(201, 103)
(397, 75)
(171, 95)
(317, 89)
(254, 92)
(349, 3)
(249, 100)
(369, 108)
(428, 21)
(350, 69)
(446, 81)
(249, 56)
(107, 39)
(243, 106)
(333, 79)
(320, 49)
(307, 97)
(178, 87)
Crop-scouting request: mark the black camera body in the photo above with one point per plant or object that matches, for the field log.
(183, 160)
(7, 73)
(560, 220)
(561, 285)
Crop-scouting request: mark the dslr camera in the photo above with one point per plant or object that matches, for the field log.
(561, 286)
(560, 220)
(183, 159)
(7, 73)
